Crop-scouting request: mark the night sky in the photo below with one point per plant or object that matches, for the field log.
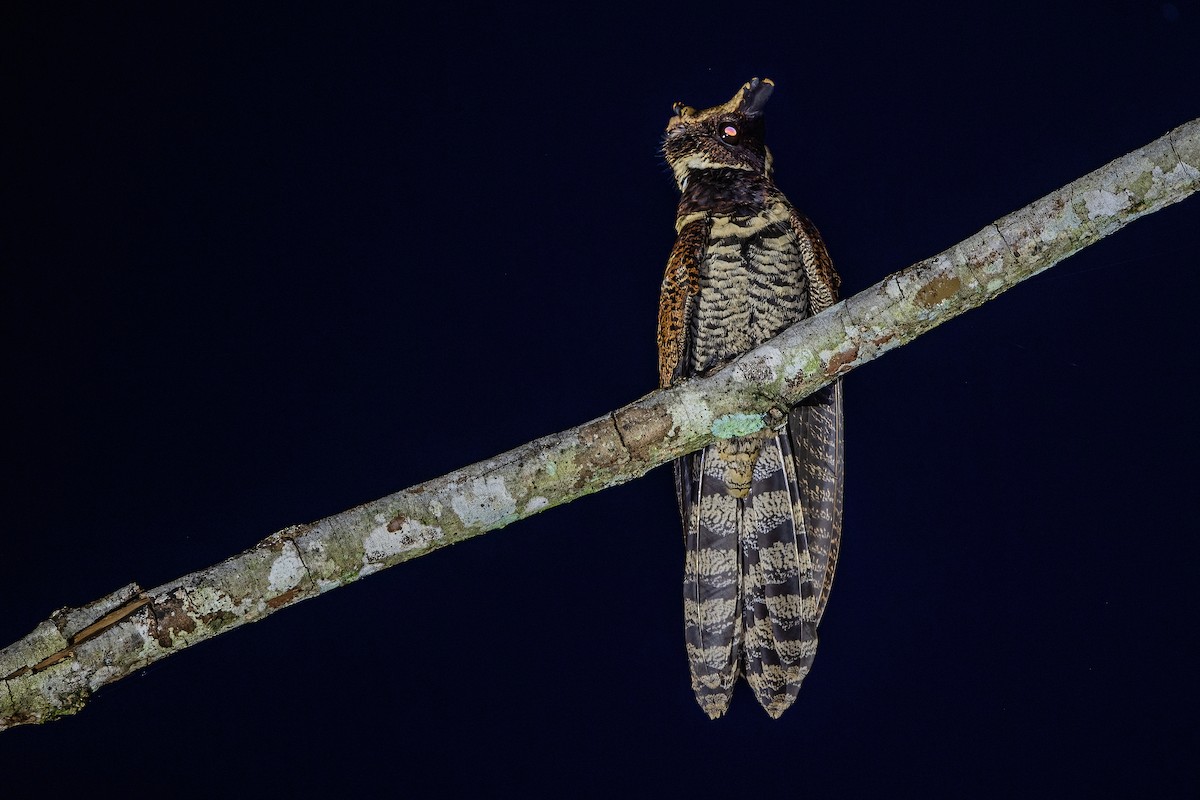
(261, 267)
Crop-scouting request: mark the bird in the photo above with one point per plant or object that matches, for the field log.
(761, 509)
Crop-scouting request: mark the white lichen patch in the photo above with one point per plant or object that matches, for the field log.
(1181, 173)
(382, 544)
(994, 267)
(761, 365)
(1100, 203)
(482, 502)
(287, 570)
(801, 365)
(1066, 222)
(536, 504)
(205, 601)
(692, 413)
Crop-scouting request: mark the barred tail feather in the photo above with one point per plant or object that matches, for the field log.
(777, 588)
(711, 595)
(750, 589)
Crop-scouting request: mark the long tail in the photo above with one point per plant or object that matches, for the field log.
(712, 579)
(760, 558)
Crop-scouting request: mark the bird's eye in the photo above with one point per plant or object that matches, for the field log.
(729, 133)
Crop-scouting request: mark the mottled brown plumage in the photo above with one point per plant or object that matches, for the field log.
(761, 512)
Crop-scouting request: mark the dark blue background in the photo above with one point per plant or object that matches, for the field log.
(267, 265)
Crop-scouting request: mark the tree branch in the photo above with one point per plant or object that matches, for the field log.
(52, 671)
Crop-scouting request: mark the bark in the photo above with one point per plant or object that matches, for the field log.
(53, 670)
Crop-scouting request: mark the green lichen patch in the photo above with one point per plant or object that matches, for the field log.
(731, 425)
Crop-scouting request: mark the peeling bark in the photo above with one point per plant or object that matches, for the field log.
(53, 670)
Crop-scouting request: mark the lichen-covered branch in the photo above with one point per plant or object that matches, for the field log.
(53, 670)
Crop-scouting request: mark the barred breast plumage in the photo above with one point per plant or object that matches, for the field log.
(761, 512)
(750, 288)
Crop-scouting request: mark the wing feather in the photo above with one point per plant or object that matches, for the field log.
(815, 427)
(823, 280)
(680, 285)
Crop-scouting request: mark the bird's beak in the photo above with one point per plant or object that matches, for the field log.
(752, 97)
